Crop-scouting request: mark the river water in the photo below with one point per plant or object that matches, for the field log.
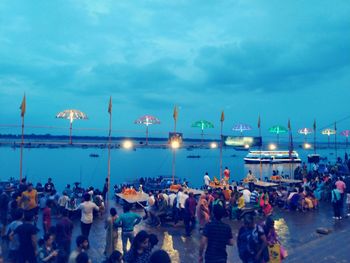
(69, 165)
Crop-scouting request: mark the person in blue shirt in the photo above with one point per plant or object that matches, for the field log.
(127, 221)
(336, 202)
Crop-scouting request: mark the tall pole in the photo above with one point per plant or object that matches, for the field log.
(70, 132)
(21, 158)
(314, 136)
(109, 150)
(175, 115)
(146, 134)
(335, 141)
(260, 167)
(23, 111)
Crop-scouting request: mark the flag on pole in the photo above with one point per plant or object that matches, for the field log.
(222, 118)
(289, 127)
(110, 105)
(23, 106)
(259, 122)
(175, 114)
(314, 125)
(335, 126)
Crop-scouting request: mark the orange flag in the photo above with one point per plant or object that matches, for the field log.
(222, 116)
(23, 106)
(175, 114)
(110, 105)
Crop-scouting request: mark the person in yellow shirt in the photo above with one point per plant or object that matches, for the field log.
(240, 205)
(29, 201)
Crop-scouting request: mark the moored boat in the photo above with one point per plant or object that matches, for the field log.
(272, 157)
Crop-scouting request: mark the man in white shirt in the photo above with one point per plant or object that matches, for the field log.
(172, 197)
(87, 214)
(206, 180)
(180, 204)
(246, 195)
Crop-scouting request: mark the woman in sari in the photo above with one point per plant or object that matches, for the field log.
(203, 213)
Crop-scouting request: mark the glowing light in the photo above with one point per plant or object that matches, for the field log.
(213, 145)
(175, 144)
(127, 144)
(307, 146)
(272, 147)
(246, 146)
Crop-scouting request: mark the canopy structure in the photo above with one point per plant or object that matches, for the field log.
(346, 134)
(241, 127)
(305, 132)
(71, 115)
(202, 124)
(278, 129)
(329, 132)
(147, 120)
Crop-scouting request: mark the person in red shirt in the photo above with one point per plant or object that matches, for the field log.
(47, 216)
(227, 174)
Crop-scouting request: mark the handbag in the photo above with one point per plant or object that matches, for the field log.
(275, 253)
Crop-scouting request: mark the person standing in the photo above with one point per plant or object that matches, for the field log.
(13, 239)
(127, 221)
(216, 236)
(227, 174)
(29, 201)
(336, 199)
(206, 179)
(26, 233)
(341, 186)
(82, 245)
(203, 213)
(190, 213)
(49, 186)
(87, 208)
(64, 230)
(47, 216)
(180, 204)
(111, 232)
(252, 242)
(4, 207)
(105, 190)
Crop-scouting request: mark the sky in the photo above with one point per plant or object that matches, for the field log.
(279, 59)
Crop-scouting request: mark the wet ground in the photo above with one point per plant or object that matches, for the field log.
(297, 231)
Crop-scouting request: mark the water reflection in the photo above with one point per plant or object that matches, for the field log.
(168, 245)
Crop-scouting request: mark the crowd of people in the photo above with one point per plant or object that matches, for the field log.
(256, 242)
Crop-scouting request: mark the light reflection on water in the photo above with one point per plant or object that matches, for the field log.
(168, 246)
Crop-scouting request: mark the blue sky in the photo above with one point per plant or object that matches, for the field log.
(282, 59)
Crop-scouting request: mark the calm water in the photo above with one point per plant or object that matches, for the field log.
(69, 165)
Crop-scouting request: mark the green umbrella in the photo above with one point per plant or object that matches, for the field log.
(277, 129)
(202, 124)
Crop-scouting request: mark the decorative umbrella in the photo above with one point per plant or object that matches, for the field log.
(147, 120)
(71, 115)
(305, 132)
(278, 129)
(328, 132)
(202, 124)
(241, 127)
(346, 134)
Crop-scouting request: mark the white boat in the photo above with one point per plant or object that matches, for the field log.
(272, 157)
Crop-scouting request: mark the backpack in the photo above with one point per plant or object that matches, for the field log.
(247, 243)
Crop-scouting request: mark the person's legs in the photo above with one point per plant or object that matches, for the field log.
(124, 242)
